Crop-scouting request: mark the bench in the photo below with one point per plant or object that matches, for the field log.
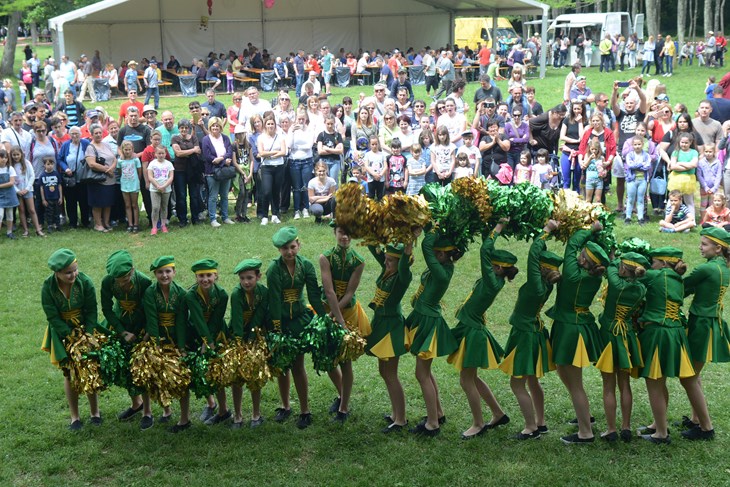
(164, 85)
(245, 80)
(531, 71)
(361, 78)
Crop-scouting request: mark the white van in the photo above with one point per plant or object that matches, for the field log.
(595, 26)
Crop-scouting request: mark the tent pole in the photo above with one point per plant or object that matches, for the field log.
(263, 30)
(359, 23)
(544, 42)
(162, 36)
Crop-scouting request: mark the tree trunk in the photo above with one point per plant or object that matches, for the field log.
(681, 20)
(6, 66)
(33, 33)
(707, 18)
(718, 15)
(652, 17)
(722, 17)
(693, 19)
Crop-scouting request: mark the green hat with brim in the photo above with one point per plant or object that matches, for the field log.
(284, 236)
(550, 260)
(717, 235)
(119, 264)
(163, 261)
(667, 254)
(394, 250)
(247, 265)
(596, 254)
(503, 258)
(443, 244)
(204, 266)
(635, 259)
(61, 259)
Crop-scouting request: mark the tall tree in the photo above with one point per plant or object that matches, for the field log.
(681, 20)
(707, 17)
(718, 15)
(652, 17)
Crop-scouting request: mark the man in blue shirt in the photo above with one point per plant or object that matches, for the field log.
(298, 64)
(402, 81)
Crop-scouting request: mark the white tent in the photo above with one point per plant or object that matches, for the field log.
(132, 29)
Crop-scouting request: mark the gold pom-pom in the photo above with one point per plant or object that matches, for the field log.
(255, 365)
(84, 372)
(226, 369)
(474, 190)
(401, 214)
(352, 209)
(159, 370)
(573, 213)
(353, 346)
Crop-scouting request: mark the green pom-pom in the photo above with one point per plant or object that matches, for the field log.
(324, 337)
(113, 362)
(637, 245)
(527, 207)
(284, 350)
(198, 363)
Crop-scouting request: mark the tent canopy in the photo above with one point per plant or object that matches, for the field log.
(126, 29)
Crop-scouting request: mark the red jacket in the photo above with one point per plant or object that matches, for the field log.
(609, 140)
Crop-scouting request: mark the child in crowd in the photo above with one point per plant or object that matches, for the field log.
(683, 168)
(229, 80)
(375, 166)
(542, 172)
(358, 177)
(442, 156)
(523, 171)
(416, 169)
(425, 140)
(396, 162)
(717, 215)
(8, 196)
(131, 171)
(595, 170)
(636, 166)
(24, 189)
(242, 162)
(709, 175)
(710, 87)
(472, 152)
(160, 173)
(51, 193)
(677, 217)
(462, 169)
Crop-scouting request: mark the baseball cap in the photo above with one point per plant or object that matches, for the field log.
(662, 97)
(92, 113)
(324, 48)
(402, 71)
(30, 106)
(580, 78)
(239, 129)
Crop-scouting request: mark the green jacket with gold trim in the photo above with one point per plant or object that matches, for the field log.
(708, 282)
(534, 293)
(248, 314)
(167, 320)
(207, 316)
(124, 310)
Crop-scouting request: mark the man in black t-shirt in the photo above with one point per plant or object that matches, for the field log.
(487, 90)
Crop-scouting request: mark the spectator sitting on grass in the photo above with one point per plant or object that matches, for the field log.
(677, 217)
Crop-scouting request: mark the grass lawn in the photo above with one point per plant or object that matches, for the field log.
(39, 450)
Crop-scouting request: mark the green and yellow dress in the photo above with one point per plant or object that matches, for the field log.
(663, 339)
(343, 262)
(388, 336)
(528, 351)
(249, 312)
(167, 319)
(575, 337)
(428, 335)
(64, 314)
(477, 346)
(624, 298)
(287, 308)
(707, 331)
(207, 315)
(123, 309)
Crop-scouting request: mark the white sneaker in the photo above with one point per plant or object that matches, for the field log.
(264, 221)
(297, 215)
(305, 213)
(275, 219)
(228, 221)
(215, 224)
(202, 215)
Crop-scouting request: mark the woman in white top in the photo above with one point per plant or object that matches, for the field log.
(316, 120)
(110, 73)
(301, 166)
(321, 192)
(272, 151)
(283, 108)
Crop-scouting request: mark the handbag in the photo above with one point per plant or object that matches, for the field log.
(69, 181)
(658, 184)
(224, 173)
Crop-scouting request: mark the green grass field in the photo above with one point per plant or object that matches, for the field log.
(39, 450)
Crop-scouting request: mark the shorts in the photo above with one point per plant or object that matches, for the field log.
(27, 196)
(327, 77)
(618, 170)
(594, 183)
(212, 78)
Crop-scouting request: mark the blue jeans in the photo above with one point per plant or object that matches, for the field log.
(565, 170)
(300, 172)
(646, 66)
(668, 60)
(635, 193)
(333, 167)
(150, 92)
(300, 82)
(215, 189)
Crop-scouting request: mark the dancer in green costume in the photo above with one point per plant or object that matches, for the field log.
(575, 338)
(621, 354)
(707, 331)
(249, 315)
(527, 354)
(207, 302)
(477, 347)
(287, 277)
(428, 334)
(69, 301)
(341, 269)
(122, 292)
(167, 320)
(664, 343)
(387, 340)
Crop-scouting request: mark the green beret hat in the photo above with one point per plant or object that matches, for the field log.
(163, 261)
(119, 264)
(284, 236)
(503, 258)
(61, 259)
(247, 265)
(443, 243)
(717, 235)
(669, 254)
(550, 260)
(204, 266)
(635, 259)
(394, 250)
(596, 253)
